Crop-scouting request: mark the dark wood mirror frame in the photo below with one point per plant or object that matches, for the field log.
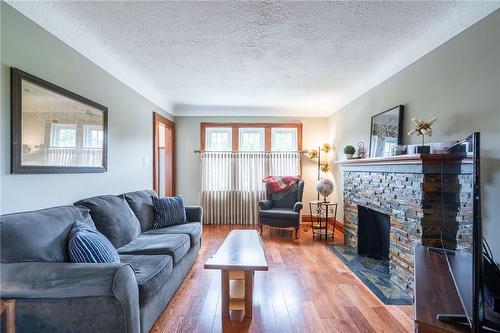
(16, 78)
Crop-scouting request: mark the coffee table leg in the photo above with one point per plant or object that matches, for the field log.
(248, 293)
(224, 293)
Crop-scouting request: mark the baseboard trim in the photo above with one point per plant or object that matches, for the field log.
(307, 219)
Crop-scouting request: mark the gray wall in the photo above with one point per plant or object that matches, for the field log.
(459, 83)
(314, 133)
(28, 47)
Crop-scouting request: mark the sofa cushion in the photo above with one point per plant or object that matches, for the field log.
(87, 245)
(168, 211)
(40, 235)
(141, 203)
(279, 213)
(113, 218)
(193, 229)
(151, 273)
(174, 245)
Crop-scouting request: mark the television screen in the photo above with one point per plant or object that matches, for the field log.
(461, 235)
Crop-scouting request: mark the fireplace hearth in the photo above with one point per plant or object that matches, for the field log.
(373, 233)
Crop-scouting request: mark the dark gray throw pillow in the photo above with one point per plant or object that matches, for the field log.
(113, 217)
(168, 211)
(141, 203)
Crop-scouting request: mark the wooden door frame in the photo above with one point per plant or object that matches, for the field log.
(157, 118)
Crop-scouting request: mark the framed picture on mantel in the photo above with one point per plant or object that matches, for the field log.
(54, 130)
(386, 131)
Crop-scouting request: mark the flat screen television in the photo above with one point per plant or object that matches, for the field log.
(461, 231)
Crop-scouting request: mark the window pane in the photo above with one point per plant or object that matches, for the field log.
(284, 139)
(251, 139)
(218, 139)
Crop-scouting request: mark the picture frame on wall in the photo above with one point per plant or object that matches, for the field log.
(386, 131)
(54, 130)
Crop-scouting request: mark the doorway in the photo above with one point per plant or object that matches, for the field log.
(163, 156)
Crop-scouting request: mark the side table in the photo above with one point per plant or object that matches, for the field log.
(321, 212)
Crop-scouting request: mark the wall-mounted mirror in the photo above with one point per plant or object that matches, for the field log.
(55, 130)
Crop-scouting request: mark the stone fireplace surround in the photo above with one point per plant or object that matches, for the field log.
(408, 189)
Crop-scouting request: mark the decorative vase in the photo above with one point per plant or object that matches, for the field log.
(349, 156)
(361, 150)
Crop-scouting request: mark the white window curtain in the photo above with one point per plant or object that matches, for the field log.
(231, 183)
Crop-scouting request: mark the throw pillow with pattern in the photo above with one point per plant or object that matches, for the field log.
(87, 245)
(168, 211)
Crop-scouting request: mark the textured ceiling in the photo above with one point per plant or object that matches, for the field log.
(253, 58)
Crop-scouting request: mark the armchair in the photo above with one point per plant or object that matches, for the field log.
(283, 212)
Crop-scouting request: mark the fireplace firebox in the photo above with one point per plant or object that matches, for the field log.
(373, 233)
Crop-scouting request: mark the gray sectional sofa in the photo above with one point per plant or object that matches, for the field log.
(54, 295)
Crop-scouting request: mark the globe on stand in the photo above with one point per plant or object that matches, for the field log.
(325, 188)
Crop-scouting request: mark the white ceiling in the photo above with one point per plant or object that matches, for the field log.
(253, 58)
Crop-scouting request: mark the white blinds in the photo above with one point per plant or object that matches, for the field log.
(231, 183)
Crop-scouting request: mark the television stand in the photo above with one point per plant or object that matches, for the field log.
(434, 293)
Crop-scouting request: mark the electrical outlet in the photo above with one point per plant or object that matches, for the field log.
(146, 160)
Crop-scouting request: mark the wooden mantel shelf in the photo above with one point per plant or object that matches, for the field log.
(416, 163)
(400, 159)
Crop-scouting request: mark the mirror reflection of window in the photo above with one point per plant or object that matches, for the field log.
(93, 136)
(63, 135)
(59, 131)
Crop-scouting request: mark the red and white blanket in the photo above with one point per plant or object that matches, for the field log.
(277, 184)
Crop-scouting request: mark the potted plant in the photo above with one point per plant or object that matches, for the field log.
(349, 151)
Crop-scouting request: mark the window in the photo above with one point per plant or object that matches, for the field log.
(63, 135)
(283, 139)
(218, 139)
(263, 137)
(251, 139)
(93, 136)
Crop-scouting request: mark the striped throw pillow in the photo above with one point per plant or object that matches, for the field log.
(168, 211)
(87, 245)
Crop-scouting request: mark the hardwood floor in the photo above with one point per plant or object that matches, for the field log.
(307, 289)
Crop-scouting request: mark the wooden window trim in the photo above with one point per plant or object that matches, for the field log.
(235, 133)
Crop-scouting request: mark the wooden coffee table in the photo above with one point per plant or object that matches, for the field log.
(239, 256)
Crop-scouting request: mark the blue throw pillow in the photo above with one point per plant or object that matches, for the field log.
(168, 211)
(87, 245)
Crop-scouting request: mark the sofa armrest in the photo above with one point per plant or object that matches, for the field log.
(265, 204)
(297, 207)
(63, 282)
(194, 213)
(58, 280)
